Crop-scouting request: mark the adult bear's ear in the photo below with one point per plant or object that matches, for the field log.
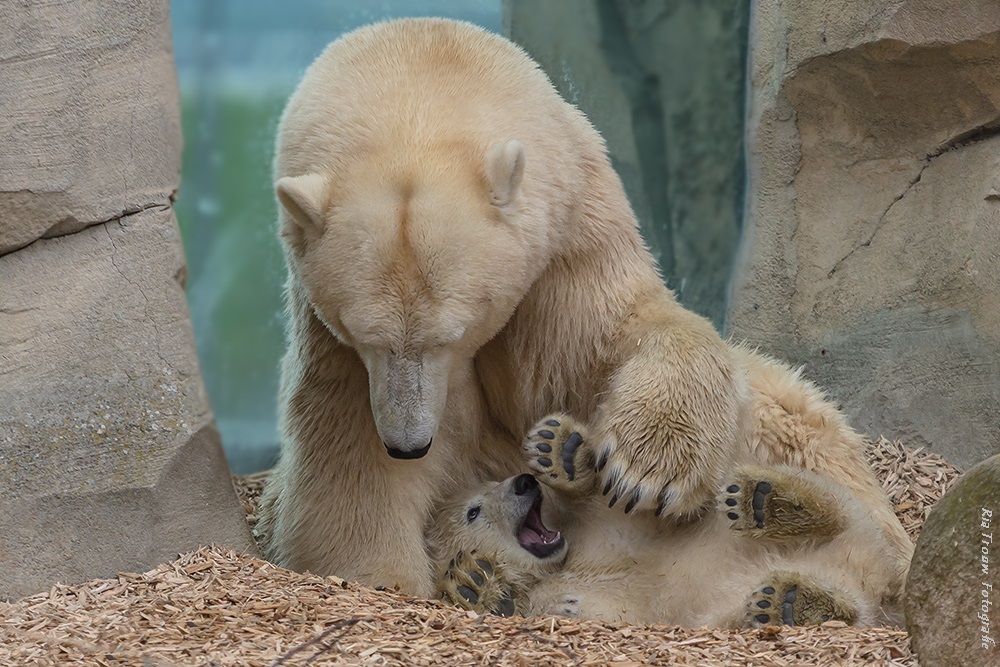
(305, 198)
(504, 170)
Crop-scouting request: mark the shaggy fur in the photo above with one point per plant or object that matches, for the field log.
(783, 545)
(462, 259)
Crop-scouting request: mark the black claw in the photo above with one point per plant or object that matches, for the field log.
(471, 596)
(602, 461)
(633, 501)
(733, 515)
(733, 488)
(768, 590)
(552, 422)
(451, 564)
(664, 498)
(614, 499)
(762, 618)
(607, 487)
(484, 566)
(763, 604)
(544, 461)
(731, 502)
(548, 435)
(544, 447)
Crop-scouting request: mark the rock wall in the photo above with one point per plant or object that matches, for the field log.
(109, 459)
(664, 83)
(872, 248)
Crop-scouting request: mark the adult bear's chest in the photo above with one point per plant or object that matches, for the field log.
(526, 377)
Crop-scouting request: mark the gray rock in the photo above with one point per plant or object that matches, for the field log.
(89, 115)
(872, 242)
(953, 590)
(109, 458)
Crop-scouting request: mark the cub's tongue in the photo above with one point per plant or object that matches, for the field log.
(534, 536)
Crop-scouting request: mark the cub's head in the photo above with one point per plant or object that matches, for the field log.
(503, 520)
(415, 259)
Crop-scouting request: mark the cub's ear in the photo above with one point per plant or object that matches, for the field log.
(504, 170)
(305, 198)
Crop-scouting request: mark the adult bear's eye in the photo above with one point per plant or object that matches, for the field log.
(472, 513)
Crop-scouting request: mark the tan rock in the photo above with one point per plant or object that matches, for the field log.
(109, 459)
(873, 232)
(89, 115)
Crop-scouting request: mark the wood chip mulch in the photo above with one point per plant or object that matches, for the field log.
(220, 608)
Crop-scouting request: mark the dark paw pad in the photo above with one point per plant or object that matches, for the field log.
(506, 605)
(471, 596)
(759, 494)
(793, 600)
(747, 512)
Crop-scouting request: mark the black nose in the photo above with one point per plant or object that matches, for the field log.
(524, 484)
(408, 453)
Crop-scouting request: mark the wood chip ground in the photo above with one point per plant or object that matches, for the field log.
(220, 608)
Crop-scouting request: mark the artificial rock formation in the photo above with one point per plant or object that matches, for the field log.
(90, 123)
(953, 590)
(109, 459)
(873, 233)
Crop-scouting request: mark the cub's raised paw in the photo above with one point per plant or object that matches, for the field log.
(786, 598)
(773, 504)
(557, 451)
(473, 581)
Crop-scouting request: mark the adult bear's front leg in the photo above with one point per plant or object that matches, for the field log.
(674, 411)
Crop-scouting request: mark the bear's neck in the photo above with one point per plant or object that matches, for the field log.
(559, 348)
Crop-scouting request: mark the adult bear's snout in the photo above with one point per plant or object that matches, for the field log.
(524, 484)
(408, 396)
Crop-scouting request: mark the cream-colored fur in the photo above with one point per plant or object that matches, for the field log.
(819, 540)
(462, 259)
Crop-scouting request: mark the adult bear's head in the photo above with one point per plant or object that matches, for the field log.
(414, 258)
(428, 173)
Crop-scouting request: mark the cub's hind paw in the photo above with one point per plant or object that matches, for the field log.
(773, 504)
(558, 452)
(473, 581)
(786, 598)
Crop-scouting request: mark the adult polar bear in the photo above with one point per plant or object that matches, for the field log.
(462, 260)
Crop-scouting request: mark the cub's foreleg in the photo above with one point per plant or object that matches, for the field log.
(558, 451)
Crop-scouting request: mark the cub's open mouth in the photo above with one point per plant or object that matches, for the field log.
(534, 536)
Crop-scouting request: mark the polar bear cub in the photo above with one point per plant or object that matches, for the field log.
(782, 546)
